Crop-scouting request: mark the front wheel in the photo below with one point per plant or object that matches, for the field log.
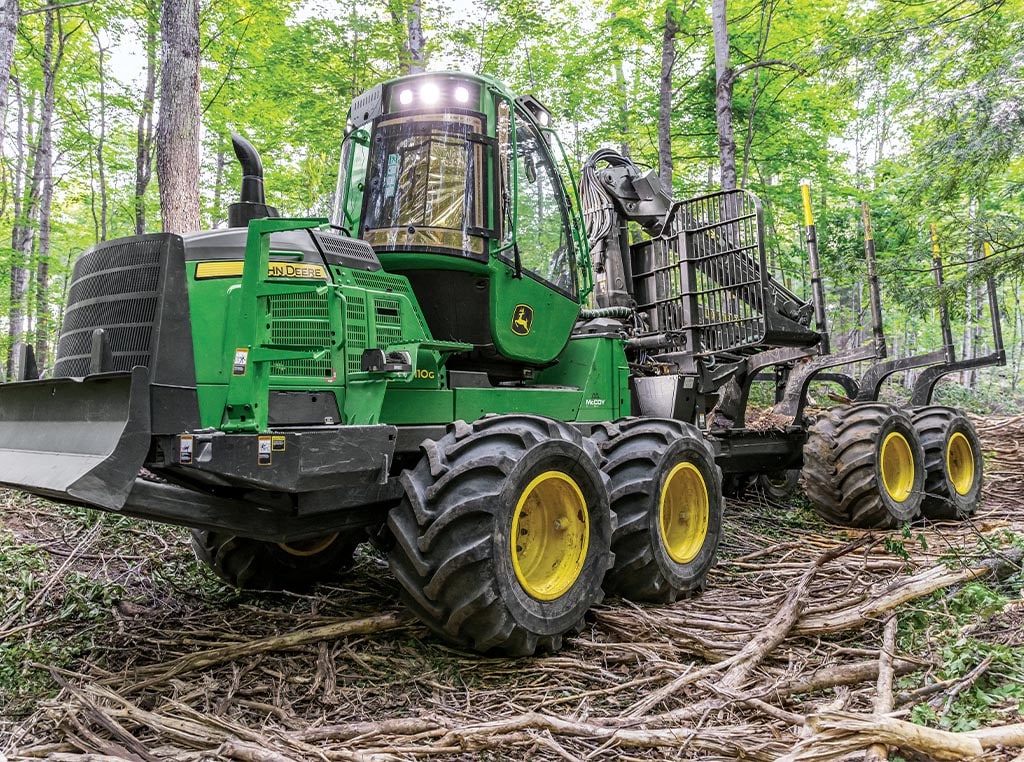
(666, 494)
(503, 538)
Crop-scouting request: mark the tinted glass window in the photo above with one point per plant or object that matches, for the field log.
(425, 184)
(545, 247)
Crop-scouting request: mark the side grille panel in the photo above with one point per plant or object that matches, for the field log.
(115, 287)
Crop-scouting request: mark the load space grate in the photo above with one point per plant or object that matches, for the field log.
(702, 281)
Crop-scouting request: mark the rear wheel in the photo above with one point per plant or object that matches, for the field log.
(953, 463)
(666, 494)
(864, 466)
(503, 539)
(257, 565)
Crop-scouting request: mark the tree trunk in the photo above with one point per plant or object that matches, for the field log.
(723, 96)
(622, 96)
(26, 193)
(415, 54)
(417, 50)
(144, 128)
(44, 169)
(1018, 333)
(177, 155)
(102, 137)
(8, 32)
(668, 57)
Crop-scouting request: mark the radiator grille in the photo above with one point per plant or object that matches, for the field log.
(114, 287)
(355, 331)
(389, 322)
(300, 322)
(381, 281)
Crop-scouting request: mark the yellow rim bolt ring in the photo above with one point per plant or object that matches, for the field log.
(550, 535)
(683, 512)
(960, 463)
(897, 466)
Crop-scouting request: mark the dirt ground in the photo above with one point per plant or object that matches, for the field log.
(116, 644)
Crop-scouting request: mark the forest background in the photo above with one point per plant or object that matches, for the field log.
(914, 107)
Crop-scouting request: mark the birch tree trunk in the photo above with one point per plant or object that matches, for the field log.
(177, 154)
(8, 32)
(44, 169)
(101, 139)
(723, 96)
(668, 57)
(144, 127)
(26, 194)
(415, 47)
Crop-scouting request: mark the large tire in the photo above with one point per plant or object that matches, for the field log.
(503, 539)
(666, 494)
(255, 565)
(779, 485)
(952, 460)
(864, 466)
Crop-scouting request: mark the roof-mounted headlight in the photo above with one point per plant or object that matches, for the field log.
(431, 92)
(536, 109)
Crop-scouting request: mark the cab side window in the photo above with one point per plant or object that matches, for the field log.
(542, 233)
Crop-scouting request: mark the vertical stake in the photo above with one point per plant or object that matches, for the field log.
(874, 293)
(947, 332)
(817, 290)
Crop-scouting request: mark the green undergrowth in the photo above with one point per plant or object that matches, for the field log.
(67, 575)
(974, 635)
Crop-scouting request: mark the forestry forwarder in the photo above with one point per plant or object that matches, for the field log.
(424, 372)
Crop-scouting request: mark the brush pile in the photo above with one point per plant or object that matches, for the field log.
(811, 643)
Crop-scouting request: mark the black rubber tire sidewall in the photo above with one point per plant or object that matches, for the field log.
(690, 576)
(780, 485)
(250, 564)
(557, 616)
(899, 422)
(936, 426)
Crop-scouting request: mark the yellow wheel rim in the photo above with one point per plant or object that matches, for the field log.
(897, 467)
(550, 535)
(683, 512)
(960, 463)
(309, 547)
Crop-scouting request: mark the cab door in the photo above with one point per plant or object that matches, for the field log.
(535, 302)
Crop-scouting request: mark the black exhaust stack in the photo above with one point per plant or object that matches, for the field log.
(251, 204)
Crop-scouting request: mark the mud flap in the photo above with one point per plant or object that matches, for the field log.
(80, 440)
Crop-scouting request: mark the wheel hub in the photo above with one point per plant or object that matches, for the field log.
(309, 547)
(897, 461)
(683, 512)
(550, 535)
(960, 463)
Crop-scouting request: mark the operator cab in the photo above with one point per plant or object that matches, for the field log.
(453, 182)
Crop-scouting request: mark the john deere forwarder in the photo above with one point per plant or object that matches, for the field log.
(471, 366)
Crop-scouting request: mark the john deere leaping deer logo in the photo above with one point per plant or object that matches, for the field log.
(522, 319)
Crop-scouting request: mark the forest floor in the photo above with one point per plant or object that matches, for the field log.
(116, 644)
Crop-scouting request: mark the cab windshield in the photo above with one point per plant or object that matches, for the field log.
(424, 185)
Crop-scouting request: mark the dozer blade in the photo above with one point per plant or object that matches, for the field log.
(76, 440)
